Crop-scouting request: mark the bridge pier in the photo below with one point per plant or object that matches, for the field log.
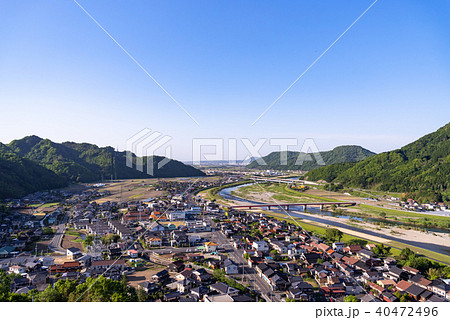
(322, 206)
(304, 208)
(287, 208)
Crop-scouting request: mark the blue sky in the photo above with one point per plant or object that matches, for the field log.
(383, 85)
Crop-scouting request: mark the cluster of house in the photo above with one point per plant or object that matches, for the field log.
(282, 254)
(183, 281)
(413, 205)
(31, 271)
(179, 186)
(153, 220)
(38, 272)
(18, 232)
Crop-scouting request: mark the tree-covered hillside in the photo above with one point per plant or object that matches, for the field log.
(337, 155)
(19, 176)
(31, 164)
(421, 168)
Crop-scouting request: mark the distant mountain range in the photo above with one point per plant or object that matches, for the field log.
(337, 155)
(242, 162)
(32, 163)
(421, 169)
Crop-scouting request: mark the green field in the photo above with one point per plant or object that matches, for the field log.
(429, 254)
(72, 232)
(414, 218)
(45, 205)
(212, 193)
(280, 191)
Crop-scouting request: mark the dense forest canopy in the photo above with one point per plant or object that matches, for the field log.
(421, 169)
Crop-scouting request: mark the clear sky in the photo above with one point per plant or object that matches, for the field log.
(384, 84)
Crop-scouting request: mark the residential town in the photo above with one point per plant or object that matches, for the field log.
(183, 248)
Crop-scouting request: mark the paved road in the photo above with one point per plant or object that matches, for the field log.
(249, 274)
(55, 243)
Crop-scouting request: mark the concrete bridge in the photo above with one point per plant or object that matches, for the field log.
(284, 180)
(287, 205)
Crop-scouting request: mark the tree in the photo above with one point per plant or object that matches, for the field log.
(5, 294)
(360, 242)
(289, 300)
(142, 295)
(51, 294)
(103, 290)
(381, 250)
(420, 263)
(433, 273)
(351, 298)
(406, 253)
(246, 256)
(402, 297)
(334, 234)
(88, 240)
(110, 238)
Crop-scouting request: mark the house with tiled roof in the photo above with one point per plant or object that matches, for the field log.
(402, 285)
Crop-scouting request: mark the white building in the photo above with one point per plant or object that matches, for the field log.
(338, 246)
(177, 215)
(260, 246)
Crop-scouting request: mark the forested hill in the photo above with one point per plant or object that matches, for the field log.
(421, 168)
(337, 155)
(19, 176)
(32, 163)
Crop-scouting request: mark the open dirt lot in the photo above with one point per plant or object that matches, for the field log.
(68, 242)
(129, 190)
(143, 275)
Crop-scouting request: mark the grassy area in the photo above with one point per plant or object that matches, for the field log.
(45, 205)
(72, 232)
(414, 218)
(403, 213)
(315, 229)
(312, 282)
(213, 193)
(280, 192)
(429, 254)
(373, 193)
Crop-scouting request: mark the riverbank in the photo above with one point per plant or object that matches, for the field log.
(435, 245)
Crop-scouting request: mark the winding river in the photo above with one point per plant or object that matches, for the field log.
(321, 218)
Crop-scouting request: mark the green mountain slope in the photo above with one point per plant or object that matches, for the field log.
(337, 155)
(84, 162)
(58, 164)
(421, 169)
(19, 176)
